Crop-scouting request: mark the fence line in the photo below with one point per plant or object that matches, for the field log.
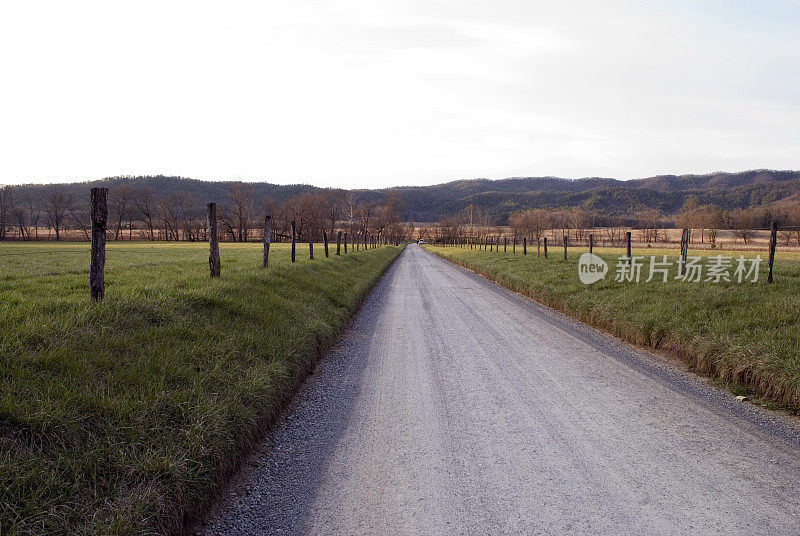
(492, 244)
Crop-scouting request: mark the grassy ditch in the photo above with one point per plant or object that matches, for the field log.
(745, 334)
(123, 417)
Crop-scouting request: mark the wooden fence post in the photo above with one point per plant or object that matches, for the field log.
(566, 240)
(310, 242)
(628, 241)
(524, 245)
(505, 245)
(338, 242)
(545, 247)
(325, 240)
(97, 265)
(345, 242)
(213, 246)
(294, 239)
(591, 243)
(684, 252)
(267, 238)
(773, 242)
(514, 245)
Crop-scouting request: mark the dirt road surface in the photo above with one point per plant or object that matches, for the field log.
(454, 406)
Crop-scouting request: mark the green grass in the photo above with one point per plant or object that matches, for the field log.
(123, 417)
(742, 334)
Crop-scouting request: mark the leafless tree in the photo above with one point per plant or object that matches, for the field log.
(242, 207)
(5, 210)
(55, 203)
(121, 204)
(19, 214)
(743, 222)
(146, 209)
(79, 214)
(532, 223)
(334, 206)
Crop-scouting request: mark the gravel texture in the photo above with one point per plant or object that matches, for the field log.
(454, 406)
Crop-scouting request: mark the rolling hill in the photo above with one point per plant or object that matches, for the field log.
(503, 197)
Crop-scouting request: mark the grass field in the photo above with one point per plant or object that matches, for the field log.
(745, 334)
(122, 417)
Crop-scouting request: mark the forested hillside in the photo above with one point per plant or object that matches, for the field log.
(149, 203)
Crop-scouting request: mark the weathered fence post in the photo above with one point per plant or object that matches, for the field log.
(514, 245)
(773, 242)
(566, 241)
(213, 246)
(591, 243)
(491, 244)
(310, 242)
(628, 241)
(345, 242)
(267, 238)
(294, 239)
(325, 240)
(524, 245)
(684, 252)
(505, 245)
(97, 263)
(338, 242)
(545, 247)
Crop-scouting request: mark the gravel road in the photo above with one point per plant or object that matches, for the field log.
(453, 406)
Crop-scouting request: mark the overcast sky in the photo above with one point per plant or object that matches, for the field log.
(377, 93)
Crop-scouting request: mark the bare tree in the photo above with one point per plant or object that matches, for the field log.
(351, 212)
(364, 213)
(19, 214)
(79, 212)
(743, 222)
(174, 210)
(55, 202)
(532, 223)
(5, 210)
(242, 198)
(334, 206)
(310, 213)
(120, 204)
(147, 209)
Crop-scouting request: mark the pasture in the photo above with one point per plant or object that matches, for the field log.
(124, 416)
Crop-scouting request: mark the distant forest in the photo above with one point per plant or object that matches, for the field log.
(161, 207)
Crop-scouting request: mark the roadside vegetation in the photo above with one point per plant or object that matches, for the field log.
(745, 334)
(124, 416)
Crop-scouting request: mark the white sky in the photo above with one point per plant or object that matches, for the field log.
(376, 93)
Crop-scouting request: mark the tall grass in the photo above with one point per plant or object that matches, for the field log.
(746, 334)
(122, 417)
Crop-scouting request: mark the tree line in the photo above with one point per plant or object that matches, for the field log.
(648, 224)
(136, 213)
